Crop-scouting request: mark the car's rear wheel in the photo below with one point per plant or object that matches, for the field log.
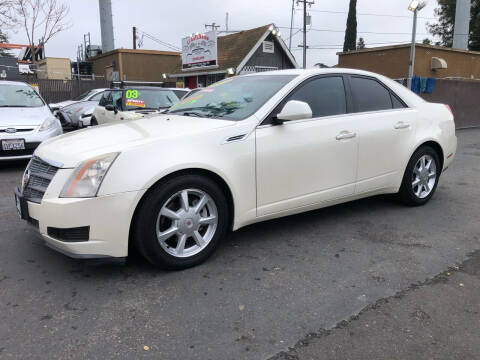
(421, 177)
(181, 222)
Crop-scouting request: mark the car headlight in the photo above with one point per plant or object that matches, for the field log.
(48, 124)
(87, 178)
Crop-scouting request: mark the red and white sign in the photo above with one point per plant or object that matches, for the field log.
(199, 51)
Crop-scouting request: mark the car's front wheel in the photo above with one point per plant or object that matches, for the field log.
(421, 177)
(93, 121)
(181, 222)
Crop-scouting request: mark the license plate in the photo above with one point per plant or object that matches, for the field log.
(13, 145)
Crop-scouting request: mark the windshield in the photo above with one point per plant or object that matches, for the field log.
(83, 96)
(19, 96)
(234, 98)
(149, 99)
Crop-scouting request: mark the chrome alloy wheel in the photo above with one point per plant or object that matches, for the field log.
(187, 223)
(424, 176)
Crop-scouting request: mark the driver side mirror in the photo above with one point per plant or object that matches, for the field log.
(293, 110)
(110, 107)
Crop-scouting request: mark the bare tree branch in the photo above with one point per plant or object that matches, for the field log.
(44, 18)
(8, 14)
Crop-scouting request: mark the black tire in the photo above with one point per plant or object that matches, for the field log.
(407, 194)
(145, 224)
(93, 121)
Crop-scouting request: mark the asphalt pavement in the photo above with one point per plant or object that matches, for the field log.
(269, 290)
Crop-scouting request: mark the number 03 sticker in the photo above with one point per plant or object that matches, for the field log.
(132, 94)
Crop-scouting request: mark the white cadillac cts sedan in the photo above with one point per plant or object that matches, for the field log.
(244, 150)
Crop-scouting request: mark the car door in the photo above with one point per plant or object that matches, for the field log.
(100, 112)
(305, 162)
(385, 128)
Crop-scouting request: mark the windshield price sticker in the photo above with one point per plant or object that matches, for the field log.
(136, 103)
(131, 94)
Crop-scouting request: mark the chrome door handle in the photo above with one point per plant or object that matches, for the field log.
(346, 135)
(401, 125)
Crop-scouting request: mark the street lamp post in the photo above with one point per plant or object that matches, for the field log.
(415, 7)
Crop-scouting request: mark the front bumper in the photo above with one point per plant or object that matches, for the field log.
(32, 140)
(108, 219)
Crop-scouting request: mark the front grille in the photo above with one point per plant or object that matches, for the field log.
(69, 235)
(41, 174)
(17, 130)
(29, 150)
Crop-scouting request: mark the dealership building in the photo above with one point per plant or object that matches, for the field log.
(207, 58)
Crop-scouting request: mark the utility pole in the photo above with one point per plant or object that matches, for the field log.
(461, 30)
(291, 26)
(411, 65)
(305, 3)
(214, 26)
(226, 23)
(134, 38)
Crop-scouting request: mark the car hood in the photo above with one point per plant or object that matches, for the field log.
(79, 107)
(73, 148)
(32, 116)
(62, 104)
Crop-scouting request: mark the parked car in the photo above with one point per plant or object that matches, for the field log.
(77, 115)
(25, 121)
(130, 103)
(91, 95)
(247, 149)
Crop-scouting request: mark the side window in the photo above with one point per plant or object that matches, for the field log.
(369, 95)
(326, 96)
(117, 99)
(106, 99)
(397, 104)
(97, 97)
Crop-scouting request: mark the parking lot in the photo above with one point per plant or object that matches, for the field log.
(267, 287)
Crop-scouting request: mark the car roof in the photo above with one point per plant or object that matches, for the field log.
(8, 82)
(316, 71)
(140, 88)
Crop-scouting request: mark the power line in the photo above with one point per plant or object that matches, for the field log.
(163, 43)
(359, 32)
(370, 14)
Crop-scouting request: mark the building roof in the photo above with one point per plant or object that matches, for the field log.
(233, 49)
(135, 51)
(401, 46)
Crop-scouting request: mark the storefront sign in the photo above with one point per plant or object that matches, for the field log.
(199, 51)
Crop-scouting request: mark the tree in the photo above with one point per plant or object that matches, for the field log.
(4, 40)
(446, 21)
(427, 41)
(41, 20)
(361, 44)
(351, 32)
(8, 14)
